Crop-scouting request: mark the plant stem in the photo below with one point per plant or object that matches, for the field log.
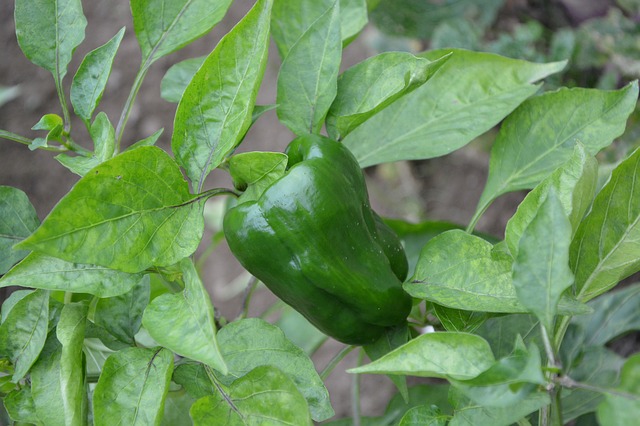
(63, 103)
(251, 287)
(568, 382)
(477, 215)
(128, 106)
(335, 361)
(26, 141)
(68, 297)
(355, 393)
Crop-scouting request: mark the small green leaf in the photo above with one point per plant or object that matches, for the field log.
(440, 117)
(49, 31)
(424, 415)
(131, 212)
(184, 322)
(50, 273)
(605, 247)
(91, 78)
(373, 84)
(18, 219)
(459, 320)
(194, 379)
(264, 396)
(502, 331)
(148, 141)
(462, 271)
(132, 387)
(443, 354)
(48, 122)
(215, 110)
(20, 407)
(574, 184)
(164, 26)
(541, 134)
(250, 343)
(121, 315)
(253, 172)
(618, 410)
(177, 78)
(541, 270)
(24, 332)
(307, 82)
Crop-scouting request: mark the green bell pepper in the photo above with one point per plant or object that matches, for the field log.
(313, 239)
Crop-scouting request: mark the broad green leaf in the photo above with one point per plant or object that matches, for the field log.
(307, 81)
(251, 343)
(442, 354)
(502, 331)
(70, 333)
(131, 212)
(50, 273)
(424, 415)
(215, 110)
(164, 26)
(121, 315)
(391, 339)
(619, 410)
(615, 313)
(469, 413)
(103, 136)
(20, 407)
(462, 271)
(11, 301)
(459, 320)
(373, 84)
(424, 394)
(541, 134)
(253, 172)
(193, 378)
(91, 78)
(96, 352)
(177, 78)
(49, 31)
(292, 19)
(46, 388)
(24, 332)
(148, 141)
(184, 322)
(300, 331)
(469, 95)
(606, 246)
(264, 396)
(18, 219)
(574, 183)
(507, 382)
(132, 387)
(595, 366)
(541, 270)
(176, 409)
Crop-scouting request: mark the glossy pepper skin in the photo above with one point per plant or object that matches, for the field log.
(313, 239)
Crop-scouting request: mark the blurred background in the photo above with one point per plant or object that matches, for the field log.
(600, 38)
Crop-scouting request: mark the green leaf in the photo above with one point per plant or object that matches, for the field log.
(24, 332)
(103, 136)
(215, 110)
(49, 31)
(292, 19)
(164, 26)
(502, 331)
(373, 84)
(459, 320)
(264, 396)
(619, 410)
(194, 379)
(509, 381)
(177, 78)
(45, 384)
(443, 354)
(176, 409)
(541, 270)
(424, 415)
(251, 343)
(18, 219)
(615, 313)
(121, 315)
(184, 322)
(440, 117)
(307, 82)
(131, 212)
(541, 134)
(148, 141)
(132, 387)
(48, 122)
(253, 172)
(91, 78)
(468, 413)
(574, 183)
(426, 394)
(605, 247)
(49, 273)
(462, 271)
(20, 407)
(11, 301)
(391, 339)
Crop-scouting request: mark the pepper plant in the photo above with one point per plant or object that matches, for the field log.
(114, 326)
